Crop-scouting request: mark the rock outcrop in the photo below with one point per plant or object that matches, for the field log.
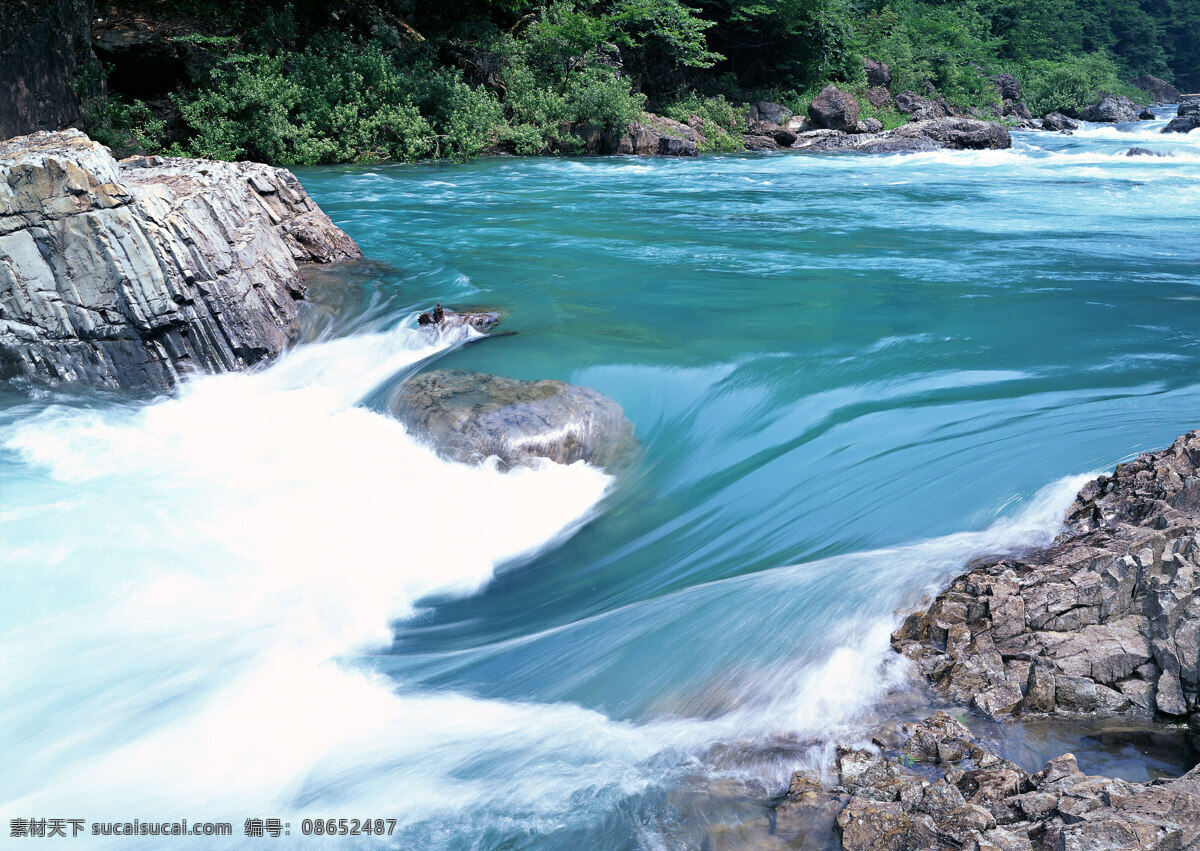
(1007, 86)
(652, 136)
(1105, 622)
(129, 275)
(1111, 110)
(470, 416)
(44, 45)
(1159, 90)
(933, 785)
(934, 135)
(919, 108)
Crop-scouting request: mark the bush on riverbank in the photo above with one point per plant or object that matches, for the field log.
(318, 81)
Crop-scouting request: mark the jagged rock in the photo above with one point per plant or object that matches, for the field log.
(868, 125)
(1105, 622)
(1111, 110)
(919, 108)
(895, 799)
(1058, 121)
(128, 275)
(1007, 86)
(953, 133)
(470, 416)
(1016, 109)
(834, 109)
(878, 74)
(1188, 105)
(1183, 124)
(1160, 90)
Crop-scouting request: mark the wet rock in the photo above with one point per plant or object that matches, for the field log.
(480, 320)
(878, 74)
(470, 416)
(1106, 622)
(1147, 115)
(945, 133)
(1188, 105)
(834, 109)
(1159, 90)
(1058, 121)
(1183, 124)
(129, 275)
(1111, 110)
(1144, 152)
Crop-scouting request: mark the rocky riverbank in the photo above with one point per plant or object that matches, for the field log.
(1104, 623)
(130, 274)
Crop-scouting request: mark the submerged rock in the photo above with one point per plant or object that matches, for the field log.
(1105, 622)
(470, 416)
(127, 275)
(952, 133)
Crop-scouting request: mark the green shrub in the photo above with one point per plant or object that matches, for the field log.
(1071, 84)
(722, 123)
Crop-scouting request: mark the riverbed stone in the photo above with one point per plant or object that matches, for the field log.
(470, 417)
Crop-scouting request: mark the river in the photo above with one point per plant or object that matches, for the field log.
(848, 376)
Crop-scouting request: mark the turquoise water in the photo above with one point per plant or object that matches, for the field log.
(848, 376)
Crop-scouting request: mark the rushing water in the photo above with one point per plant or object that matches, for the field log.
(848, 375)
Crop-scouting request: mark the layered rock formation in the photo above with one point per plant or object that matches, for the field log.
(1105, 622)
(128, 275)
(470, 416)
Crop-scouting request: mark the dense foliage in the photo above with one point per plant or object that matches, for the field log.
(322, 81)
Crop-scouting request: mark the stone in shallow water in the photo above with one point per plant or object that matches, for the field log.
(470, 416)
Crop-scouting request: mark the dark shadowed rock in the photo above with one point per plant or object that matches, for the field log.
(1183, 124)
(1146, 115)
(653, 136)
(1007, 86)
(1016, 109)
(442, 319)
(470, 416)
(1111, 110)
(1159, 90)
(44, 47)
(834, 109)
(878, 97)
(772, 113)
(878, 74)
(869, 125)
(759, 143)
(919, 108)
(1188, 105)
(1106, 622)
(1145, 152)
(128, 275)
(1058, 121)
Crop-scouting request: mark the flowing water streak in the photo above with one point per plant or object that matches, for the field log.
(201, 594)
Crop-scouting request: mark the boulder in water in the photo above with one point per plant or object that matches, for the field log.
(1188, 105)
(942, 133)
(1058, 121)
(1183, 124)
(128, 275)
(439, 317)
(1111, 110)
(470, 416)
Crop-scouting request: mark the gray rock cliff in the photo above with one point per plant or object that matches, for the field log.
(130, 275)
